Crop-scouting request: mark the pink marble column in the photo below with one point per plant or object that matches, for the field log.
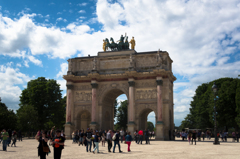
(159, 100)
(69, 103)
(94, 101)
(131, 102)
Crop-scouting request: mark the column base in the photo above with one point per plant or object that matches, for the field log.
(68, 130)
(159, 131)
(131, 127)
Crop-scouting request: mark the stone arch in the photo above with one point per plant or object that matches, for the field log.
(106, 103)
(142, 118)
(83, 120)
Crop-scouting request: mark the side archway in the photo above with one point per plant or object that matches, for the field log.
(143, 118)
(83, 120)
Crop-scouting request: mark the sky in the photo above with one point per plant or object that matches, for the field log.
(38, 37)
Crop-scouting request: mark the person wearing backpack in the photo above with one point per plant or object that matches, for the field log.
(116, 141)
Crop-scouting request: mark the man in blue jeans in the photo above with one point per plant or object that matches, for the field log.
(5, 139)
(89, 140)
(116, 142)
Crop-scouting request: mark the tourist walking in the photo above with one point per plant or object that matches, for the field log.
(5, 137)
(121, 135)
(203, 135)
(1, 137)
(14, 138)
(237, 136)
(96, 142)
(109, 140)
(81, 137)
(58, 144)
(19, 135)
(140, 133)
(233, 136)
(194, 135)
(128, 140)
(103, 139)
(116, 141)
(136, 136)
(43, 148)
(10, 136)
(89, 140)
(189, 137)
(147, 136)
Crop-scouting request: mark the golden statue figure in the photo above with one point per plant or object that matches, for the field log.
(132, 42)
(104, 45)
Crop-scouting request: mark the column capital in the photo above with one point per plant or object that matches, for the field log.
(94, 85)
(70, 86)
(131, 83)
(159, 82)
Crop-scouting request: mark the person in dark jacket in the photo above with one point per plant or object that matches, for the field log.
(194, 134)
(42, 139)
(147, 136)
(89, 140)
(58, 144)
(116, 142)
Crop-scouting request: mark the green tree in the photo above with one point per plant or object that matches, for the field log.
(201, 109)
(27, 118)
(122, 116)
(115, 107)
(8, 118)
(150, 126)
(45, 97)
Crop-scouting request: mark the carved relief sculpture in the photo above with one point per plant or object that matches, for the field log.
(146, 94)
(83, 96)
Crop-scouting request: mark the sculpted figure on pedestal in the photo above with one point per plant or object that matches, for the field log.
(133, 43)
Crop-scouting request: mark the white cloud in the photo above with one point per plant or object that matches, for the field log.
(82, 11)
(59, 19)
(35, 61)
(18, 65)
(62, 84)
(200, 36)
(64, 69)
(82, 4)
(9, 90)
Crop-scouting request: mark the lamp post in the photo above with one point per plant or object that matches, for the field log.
(214, 89)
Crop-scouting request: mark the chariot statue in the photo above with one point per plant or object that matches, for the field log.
(122, 44)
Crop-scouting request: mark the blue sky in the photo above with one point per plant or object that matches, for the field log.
(37, 38)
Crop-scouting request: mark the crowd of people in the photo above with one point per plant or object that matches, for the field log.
(8, 137)
(92, 138)
(201, 135)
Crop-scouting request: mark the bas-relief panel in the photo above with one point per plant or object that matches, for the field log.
(146, 61)
(116, 63)
(82, 96)
(142, 94)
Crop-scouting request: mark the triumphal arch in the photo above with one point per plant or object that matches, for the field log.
(94, 82)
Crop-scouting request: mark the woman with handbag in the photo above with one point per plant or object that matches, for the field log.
(43, 148)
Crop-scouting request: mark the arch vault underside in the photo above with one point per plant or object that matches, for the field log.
(93, 84)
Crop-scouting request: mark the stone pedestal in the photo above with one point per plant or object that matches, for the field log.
(131, 127)
(68, 130)
(159, 131)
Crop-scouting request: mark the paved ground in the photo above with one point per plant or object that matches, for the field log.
(157, 149)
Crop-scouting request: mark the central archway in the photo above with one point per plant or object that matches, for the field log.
(107, 107)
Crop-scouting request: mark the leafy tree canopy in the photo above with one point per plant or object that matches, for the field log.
(201, 109)
(43, 99)
(122, 116)
(7, 118)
